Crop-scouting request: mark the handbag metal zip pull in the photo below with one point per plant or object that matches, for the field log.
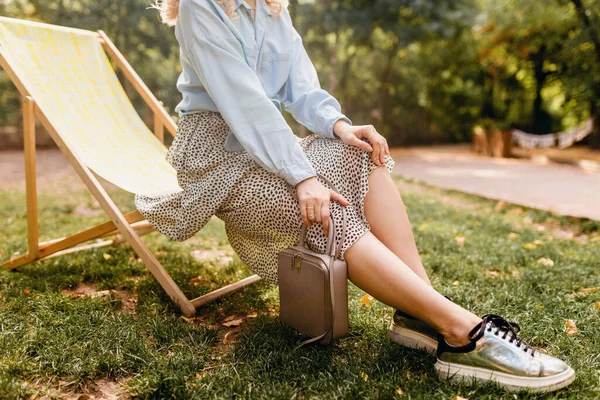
(297, 261)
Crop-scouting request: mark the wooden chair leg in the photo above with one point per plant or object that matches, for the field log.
(216, 294)
(30, 176)
(66, 245)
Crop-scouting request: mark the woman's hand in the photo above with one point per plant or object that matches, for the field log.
(352, 134)
(314, 201)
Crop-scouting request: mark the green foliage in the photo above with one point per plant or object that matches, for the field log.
(420, 71)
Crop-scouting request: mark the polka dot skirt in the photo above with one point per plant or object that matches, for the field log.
(260, 209)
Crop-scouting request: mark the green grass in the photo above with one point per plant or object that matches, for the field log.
(56, 344)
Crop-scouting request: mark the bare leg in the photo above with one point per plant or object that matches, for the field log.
(378, 271)
(389, 222)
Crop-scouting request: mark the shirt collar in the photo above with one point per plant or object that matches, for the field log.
(259, 3)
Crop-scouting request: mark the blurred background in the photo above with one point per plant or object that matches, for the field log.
(488, 107)
(422, 72)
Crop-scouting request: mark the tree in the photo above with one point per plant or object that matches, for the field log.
(594, 36)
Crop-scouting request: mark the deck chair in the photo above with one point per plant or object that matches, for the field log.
(68, 84)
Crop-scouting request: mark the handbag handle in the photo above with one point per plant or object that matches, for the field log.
(330, 236)
(330, 243)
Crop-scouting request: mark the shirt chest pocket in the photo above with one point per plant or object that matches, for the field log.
(275, 69)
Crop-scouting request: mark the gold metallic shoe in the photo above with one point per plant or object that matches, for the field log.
(414, 333)
(497, 354)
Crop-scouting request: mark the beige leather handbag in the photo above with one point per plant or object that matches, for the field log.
(313, 287)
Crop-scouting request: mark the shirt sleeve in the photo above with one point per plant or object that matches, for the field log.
(218, 59)
(303, 97)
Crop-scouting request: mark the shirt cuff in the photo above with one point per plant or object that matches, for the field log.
(329, 126)
(296, 174)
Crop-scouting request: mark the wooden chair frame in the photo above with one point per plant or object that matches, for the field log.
(125, 227)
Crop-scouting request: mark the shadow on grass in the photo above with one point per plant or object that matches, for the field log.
(51, 340)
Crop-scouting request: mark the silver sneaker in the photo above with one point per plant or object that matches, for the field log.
(414, 333)
(497, 354)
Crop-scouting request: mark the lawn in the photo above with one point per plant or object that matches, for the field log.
(97, 323)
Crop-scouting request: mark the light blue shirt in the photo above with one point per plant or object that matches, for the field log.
(247, 69)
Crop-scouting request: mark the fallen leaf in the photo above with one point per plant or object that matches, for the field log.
(456, 283)
(100, 293)
(539, 306)
(493, 274)
(530, 246)
(196, 281)
(106, 256)
(516, 274)
(366, 300)
(459, 398)
(516, 211)
(501, 205)
(231, 317)
(27, 292)
(399, 391)
(546, 262)
(597, 305)
(188, 320)
(253, 315)
(364, 376)
(460, 240)
(538, 242)
(72, 294)
(589, 290)
(513, 235)
(230, 336)
(571, 328)
(235, 322)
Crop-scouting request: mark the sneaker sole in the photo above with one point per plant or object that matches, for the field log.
(412, 339)
(512, 383)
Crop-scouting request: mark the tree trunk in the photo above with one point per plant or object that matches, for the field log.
(333, 61)
(540, 79)
(384, 93)
(595, 112)
(344, 81)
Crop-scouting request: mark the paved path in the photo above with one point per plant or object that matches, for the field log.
(563, 189)
(54, 173)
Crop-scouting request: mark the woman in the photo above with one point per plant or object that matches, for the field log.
(236, 158)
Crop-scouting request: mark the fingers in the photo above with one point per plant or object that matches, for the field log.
(375, 155)
(379, 145)
(325, 217)
(318, 205)
(304, 214)
(338, 197)
(361, 144)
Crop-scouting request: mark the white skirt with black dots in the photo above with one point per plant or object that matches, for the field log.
(260, 209)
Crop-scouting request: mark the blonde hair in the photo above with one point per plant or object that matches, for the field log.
(169, 9)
